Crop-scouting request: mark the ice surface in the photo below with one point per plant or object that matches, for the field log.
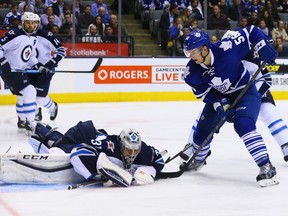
(226, 186)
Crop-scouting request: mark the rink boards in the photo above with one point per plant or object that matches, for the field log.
(132, 79)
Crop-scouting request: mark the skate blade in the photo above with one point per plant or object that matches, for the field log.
(268, 182)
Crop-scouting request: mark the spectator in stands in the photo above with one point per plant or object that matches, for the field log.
(177, 29)
(166, 21)
(196, 12)
(279, 31)
(95, 7)
(235, 11)
(186, 16)
(104, 16)
(55, 30)
(253, 20)
(44, 17)
(79, 8)
(85, 19)
(13, 14)
(194, 25)
(58, 7)
(214, 39)
(68, 38)
(224, 8)
(180, 42)
(109, 36)
(100, 25)
(243, 23)
(272, 10)
(51, 23)
(114, 25)
(262, 26)
(66, 27)
(217, 20)
(268, 19)
(91, 36)
(281, 48)
(254, 7)
(22, 5)
(39, 7)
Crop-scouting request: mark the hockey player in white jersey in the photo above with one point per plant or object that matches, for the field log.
(18, 52)
(47, 44)
(219, 85)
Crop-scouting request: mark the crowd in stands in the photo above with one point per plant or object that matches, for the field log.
(93, 21)
(179, 16)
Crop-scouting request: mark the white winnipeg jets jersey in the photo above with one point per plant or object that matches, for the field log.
(19, 49)
(49, 47)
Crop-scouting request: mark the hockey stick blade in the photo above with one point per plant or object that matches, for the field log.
(165, 175)
(93, 70)
(85, 184)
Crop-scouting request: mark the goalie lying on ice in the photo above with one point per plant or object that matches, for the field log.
(123, 159)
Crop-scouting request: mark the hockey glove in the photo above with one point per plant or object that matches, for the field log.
(5, 66)
(223, 109)
(266, 52)
(42, 69)
(51, 65)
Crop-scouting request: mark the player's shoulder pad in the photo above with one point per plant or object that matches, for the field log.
(11, 34)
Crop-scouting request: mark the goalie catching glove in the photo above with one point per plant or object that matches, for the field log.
(223, 109)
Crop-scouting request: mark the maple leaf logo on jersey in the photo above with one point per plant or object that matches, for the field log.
(225, 45)
(110, 145)
(219, 85)
(186, 72)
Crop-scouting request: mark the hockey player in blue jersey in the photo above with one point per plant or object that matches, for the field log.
(124, 159)
(47, 45)
(18, 52)
(217, 76)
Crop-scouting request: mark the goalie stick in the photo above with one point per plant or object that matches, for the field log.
(95, 67)
(86, 184)
(222, 120)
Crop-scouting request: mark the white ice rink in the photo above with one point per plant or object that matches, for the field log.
(226, 186)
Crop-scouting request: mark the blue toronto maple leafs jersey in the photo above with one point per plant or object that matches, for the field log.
(226, 74)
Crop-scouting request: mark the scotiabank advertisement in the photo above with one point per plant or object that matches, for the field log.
(95, 49)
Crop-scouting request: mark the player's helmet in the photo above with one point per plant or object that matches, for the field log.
(31, 17)
(130, 145)
(196, 39)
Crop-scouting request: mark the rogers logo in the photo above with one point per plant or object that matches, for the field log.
(123, 74)
(102, 74)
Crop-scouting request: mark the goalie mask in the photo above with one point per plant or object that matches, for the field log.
(30, 22)
(130, 145)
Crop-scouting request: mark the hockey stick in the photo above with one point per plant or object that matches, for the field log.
(85, 184)
(95, 67)
(222, 120)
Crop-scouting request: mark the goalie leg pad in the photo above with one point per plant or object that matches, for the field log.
(144, 175)
(113, 172)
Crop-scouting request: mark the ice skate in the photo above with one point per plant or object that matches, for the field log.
(194, 166)
(285, 151)
(54, 112)
(21, 124)
(38, 116)
(267, 175)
